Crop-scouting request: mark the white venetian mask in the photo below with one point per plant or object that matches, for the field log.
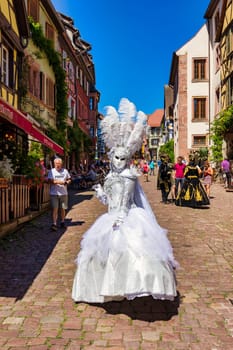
(119, 158)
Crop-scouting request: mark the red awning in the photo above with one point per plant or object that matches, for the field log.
(19, 119)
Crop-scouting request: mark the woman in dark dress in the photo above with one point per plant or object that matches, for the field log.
(192, 193)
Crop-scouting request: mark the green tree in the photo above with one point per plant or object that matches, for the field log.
(30, 164)
(79, 141)
(219, 128)
(168, 149)
(54, 58)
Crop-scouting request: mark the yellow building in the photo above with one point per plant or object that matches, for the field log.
(225, 37)
(27, 86)
(14, 32)
(13, 38)
(226, 43)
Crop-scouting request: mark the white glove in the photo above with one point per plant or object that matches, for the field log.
(117, 223)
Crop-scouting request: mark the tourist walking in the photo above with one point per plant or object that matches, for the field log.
(226, 171)
(145, 170)
(59, 178)
(207, 177)
(152, 167)
(179, 174)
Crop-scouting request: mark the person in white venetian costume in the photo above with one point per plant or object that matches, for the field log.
(125, 253)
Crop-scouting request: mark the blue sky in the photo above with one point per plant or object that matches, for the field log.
(132, 44)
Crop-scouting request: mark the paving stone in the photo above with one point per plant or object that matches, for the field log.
(13, 320)
(37, 270)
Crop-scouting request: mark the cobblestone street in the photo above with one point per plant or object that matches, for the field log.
(37, 269)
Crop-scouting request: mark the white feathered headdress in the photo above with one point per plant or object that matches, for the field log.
(125, 127)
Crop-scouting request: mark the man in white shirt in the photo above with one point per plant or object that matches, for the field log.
(59, 178)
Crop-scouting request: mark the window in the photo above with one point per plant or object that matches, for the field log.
(71, 108)
(71, 71)
(77, 72)
(170, 111)
(11, 138)
(229, 38)
(33, 9)
(92, 131)
(37, 83)
(81, 77)
(199, 108)
(34, 82)
(153, 131)
(199, 140)
(7, 67)
(91, 104)
(217, 57)
(49, 32)
(49, 93)
(84, 85)
(217, 101)
(199, 69)
(216, 22)
(64, 59)
(154, 142)
(42, 86)
(230, 91)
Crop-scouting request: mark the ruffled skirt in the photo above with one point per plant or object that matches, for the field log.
(192, 194)
(135, 260)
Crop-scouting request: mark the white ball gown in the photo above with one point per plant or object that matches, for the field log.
(125, 253)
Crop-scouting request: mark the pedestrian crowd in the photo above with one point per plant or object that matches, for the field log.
(188, 183)
(85, 177)
(184, 183)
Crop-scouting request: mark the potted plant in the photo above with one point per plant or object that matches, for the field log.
(6, 172)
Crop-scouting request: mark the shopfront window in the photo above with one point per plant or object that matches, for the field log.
(13, 142)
